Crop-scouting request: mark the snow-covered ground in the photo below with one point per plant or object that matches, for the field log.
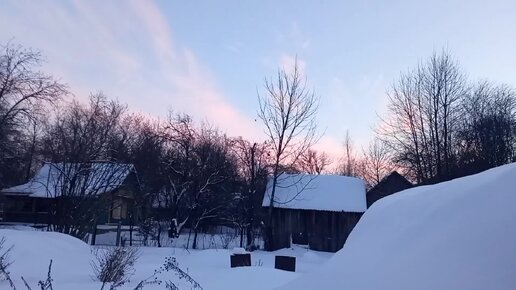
(71, 264)
(456, 235)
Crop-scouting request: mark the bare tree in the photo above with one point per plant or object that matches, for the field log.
(178, 162)
(24, 93)
(424, 116)
(313, 162)
(253, 159)
(487, 136)
(81, 171)
(212, 187)
(350, 164)
(82, 193)
(82, 133)
(199, 169)
(376, 163)
(288, 110)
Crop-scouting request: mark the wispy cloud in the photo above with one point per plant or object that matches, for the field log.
(287, 62)
(128, 51)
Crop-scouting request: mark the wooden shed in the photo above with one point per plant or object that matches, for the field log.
(390, 184)
(315, 210)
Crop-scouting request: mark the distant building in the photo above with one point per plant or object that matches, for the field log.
(315, 210)
(390, 184)
(33, 202)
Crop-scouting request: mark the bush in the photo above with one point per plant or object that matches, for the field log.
(114, 265)
(5, 261)
(170, 265)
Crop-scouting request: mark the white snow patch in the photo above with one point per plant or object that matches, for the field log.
(211, 268)
(33, 251)
(456, 235)
(239, 251)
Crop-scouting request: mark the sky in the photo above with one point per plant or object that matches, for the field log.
(209, 59)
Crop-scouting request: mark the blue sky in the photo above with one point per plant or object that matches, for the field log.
(210, 58)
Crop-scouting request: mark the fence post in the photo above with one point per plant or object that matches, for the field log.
(118, 233)
(94, 234)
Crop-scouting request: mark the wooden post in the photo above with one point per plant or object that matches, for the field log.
(118, 233)
(131, 229)
(94, 234)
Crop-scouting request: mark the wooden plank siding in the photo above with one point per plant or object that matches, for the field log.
(321, 230)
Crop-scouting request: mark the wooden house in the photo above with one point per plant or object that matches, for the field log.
(390, 184)
(54, 183)
(315, 210)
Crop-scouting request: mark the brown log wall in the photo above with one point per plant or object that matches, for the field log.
(321, 230)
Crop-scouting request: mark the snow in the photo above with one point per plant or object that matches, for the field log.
(318, 192)
(33, 251)
(453, 235)
(98, 178)
(211, 268)
(239, 251)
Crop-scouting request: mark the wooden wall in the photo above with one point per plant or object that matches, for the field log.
(320, 230)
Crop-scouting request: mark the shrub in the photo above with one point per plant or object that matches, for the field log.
(5, 261)
(114, 265)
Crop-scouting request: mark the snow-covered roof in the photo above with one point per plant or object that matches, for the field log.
(318, 192)
(74, 178)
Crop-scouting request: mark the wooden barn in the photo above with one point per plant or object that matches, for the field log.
(32, 202)
(315, 210)
(390, 184)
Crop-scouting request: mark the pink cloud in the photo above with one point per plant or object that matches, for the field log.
(127, 51)
(194, 82)
(332, 147)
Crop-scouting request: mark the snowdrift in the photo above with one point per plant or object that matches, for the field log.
(459, 234)
(33, 251)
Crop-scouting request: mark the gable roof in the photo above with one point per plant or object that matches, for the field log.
(87, 178)
(390, 184)
(396, 175)
(318, 192)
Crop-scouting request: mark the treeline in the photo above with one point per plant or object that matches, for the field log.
(191, 174)
(438, 126)
(441, 126)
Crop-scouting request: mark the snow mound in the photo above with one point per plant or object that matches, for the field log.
(33, 251)
(239, 251)
(459, 234)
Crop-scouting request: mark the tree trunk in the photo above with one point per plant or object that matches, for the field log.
(131, 234)
(241, 237)
(159, 234)
(249, 239)
(194, 244)
(188, 241)
(94, 235)
(269, 244)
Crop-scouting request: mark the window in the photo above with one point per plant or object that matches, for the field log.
(119, 209)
